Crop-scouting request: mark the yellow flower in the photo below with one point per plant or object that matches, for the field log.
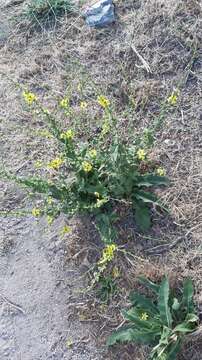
(69, 343)
(36, 212)
(105, 128)
(87, 167)
(141, 154)
(79, 87)
(115, 272)
(107, 254)
(55, 163)
(93, 153)
(66, 230)
(97, 194)
(161, 171)
(49, 200)
(29, 97)
(100, 202)
(68, 135)
(103, 101)
(64, 103)
(49, 219)
(172, 99)
(38, 164)
(144, 316)
(83, 105)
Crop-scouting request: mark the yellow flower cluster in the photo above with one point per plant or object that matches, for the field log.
(93, 153)
(83, 105)
(160, 171)
(68, 135)
(141, 154)
(36, 212)
(65, 230)
(144, 316)
(107, 254)
(172, 99)
(49, 219)
(38, 164)
(64, 103)
(103, 101)
(29, 97)
(55, 163)
(87, 167)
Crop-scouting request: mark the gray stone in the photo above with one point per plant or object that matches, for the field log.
(100, 14)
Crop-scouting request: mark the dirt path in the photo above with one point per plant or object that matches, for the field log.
(36, 288)
(36, 285)
(33, 277)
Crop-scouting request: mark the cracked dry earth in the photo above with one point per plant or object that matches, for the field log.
(37, 285)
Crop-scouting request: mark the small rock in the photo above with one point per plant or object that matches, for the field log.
(100, 14)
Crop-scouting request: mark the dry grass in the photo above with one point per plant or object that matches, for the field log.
(165, 36)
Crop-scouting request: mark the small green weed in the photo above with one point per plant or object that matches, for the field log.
(41, 11)
(107, 288)
(162, 323)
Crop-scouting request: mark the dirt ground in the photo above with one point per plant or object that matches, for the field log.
(40, 287)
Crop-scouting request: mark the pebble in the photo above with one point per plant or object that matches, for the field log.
(100, 14)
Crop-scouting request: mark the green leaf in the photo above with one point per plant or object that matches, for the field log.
(122, 335)
(142, 215)
(104, 224)
(189, 325)
(163, 307)
(143, 302)
(174, 350)
(127, 334)
(146, 197)
(152, 180)
(151, 285)
(132, 316)
(188, 292)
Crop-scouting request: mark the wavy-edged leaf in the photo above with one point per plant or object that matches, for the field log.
(142, 216)
(187, 298)
(148, 197)
(143, 302)
(127, 334)
(163, 306)
(122, 335)
(150, 284)
(152, 180)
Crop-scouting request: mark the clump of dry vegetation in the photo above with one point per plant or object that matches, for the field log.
(149, 56)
